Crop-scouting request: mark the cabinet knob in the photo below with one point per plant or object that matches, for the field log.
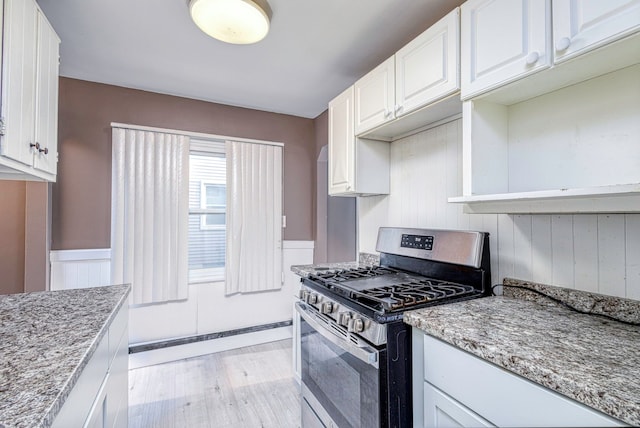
(387, 113)
(398, 108)
(36, 145)
(532, 58)
(563, 44)
(45, 150)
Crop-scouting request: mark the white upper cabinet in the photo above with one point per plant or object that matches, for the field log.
(427, 68)
(502, 41)
(19, 85)
(413, 88)
(341, 143)
(357, 167)
(46, 130)
(28, 146)
(374, 97)
(580, 26)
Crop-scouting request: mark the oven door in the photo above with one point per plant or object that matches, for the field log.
(342, 382)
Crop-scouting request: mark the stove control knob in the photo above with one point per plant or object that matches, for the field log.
(312, 298)
(303, 295)
(326, 307)
(344, 318)
(356, 325)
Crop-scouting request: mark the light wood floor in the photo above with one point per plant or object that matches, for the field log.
(246, 387)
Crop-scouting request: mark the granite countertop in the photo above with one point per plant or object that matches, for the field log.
(364, 260)
(46, 339)
(589, 358)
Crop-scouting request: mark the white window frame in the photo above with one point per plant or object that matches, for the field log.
(206, 210)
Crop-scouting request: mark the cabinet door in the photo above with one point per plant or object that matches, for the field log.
(19, 65)
(341, 144)
(502, 41)
(442, 411)
(374, 97)
(427, 68)
(580, 26)
(46, 126)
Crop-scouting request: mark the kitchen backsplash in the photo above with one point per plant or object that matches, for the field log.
(599, 253)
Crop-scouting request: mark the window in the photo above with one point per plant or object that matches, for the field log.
(207, 206)
(213, 199)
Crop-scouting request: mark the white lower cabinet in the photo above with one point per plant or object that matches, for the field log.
(99, 398)
(453, 388)
(442, 411)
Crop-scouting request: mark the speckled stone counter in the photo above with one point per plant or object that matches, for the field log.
(364, 260)
(589, 358)
(46, 339)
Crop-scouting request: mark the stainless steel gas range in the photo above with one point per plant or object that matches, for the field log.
(355, 349)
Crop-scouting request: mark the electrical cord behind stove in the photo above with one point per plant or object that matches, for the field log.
(566, 305)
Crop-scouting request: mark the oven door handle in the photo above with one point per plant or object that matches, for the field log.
(365, 354)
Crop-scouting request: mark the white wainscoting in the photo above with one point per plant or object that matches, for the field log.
(593, 252)
(80, 268)
(207, 310)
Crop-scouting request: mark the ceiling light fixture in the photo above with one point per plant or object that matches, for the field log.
(232, 21)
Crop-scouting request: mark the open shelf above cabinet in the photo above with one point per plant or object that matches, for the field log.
(576, 149)
(603, 199)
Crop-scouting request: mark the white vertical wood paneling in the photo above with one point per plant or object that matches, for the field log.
(541, 253)
(490, 224)
(453, 182)
(522, 247)
(611, 254)
(80, 268)
(562, 251)
(584, 251)
(395, 184)
(632, 228)
(504, 249)
(439, 181)
(585, 244)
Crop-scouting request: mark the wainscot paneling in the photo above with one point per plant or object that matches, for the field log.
(598, 253)
(207, 309)
(80, 268)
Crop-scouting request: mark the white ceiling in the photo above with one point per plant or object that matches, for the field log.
(314, 50)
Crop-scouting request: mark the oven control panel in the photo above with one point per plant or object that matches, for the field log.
(419, 242)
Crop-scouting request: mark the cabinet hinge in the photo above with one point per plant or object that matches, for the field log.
(3, 128)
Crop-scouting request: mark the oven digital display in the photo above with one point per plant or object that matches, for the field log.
(417, 241)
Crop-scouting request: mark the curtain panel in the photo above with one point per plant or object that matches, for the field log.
(149, 214)
(254, 218)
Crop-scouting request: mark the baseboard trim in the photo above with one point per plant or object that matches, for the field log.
(151, 346)
(171, 350)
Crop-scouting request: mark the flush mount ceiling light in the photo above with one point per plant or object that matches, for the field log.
(232, 21)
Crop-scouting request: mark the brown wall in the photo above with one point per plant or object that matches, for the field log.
(81, 196)
(12, 226)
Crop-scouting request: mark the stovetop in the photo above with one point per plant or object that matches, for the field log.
(385, 290)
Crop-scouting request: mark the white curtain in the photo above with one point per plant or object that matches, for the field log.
(149, 214)
(254, 218)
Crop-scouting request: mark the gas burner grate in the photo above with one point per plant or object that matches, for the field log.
(411, 294)
(351, 274)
